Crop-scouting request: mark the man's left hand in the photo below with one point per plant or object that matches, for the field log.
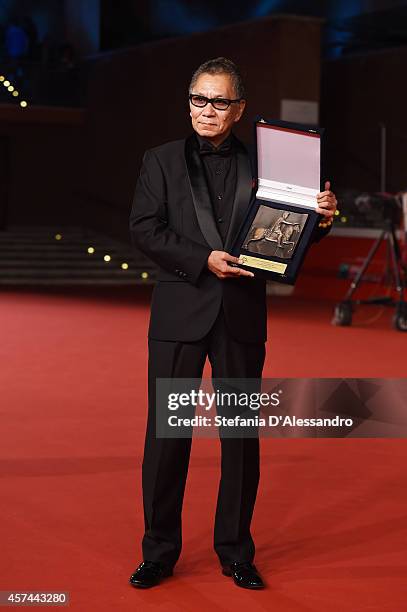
(327, 202)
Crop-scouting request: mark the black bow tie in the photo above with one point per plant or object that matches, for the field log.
(206, 148)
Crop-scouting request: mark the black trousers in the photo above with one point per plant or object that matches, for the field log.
(165, 462)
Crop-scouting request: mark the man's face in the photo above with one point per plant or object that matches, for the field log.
(208, 122)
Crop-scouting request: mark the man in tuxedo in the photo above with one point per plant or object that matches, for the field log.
(189, 202)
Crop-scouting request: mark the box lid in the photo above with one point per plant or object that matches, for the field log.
(288, 163)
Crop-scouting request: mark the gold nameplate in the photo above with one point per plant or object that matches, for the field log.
(263, 264)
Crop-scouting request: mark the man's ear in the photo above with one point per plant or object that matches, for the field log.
(242, 105)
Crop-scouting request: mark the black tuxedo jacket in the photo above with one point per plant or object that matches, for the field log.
(172, 222)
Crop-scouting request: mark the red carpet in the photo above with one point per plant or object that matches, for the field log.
(331, 518)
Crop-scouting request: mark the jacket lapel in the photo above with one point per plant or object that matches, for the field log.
(242, 194)
(200, 195)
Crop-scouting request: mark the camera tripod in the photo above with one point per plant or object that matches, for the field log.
(344, 310)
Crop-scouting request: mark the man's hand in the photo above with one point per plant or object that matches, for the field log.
(326, 202)
(218, 264)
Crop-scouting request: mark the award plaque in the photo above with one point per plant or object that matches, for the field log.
(277, 232)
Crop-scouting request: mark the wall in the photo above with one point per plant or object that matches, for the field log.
(358, 94)
(42, 148)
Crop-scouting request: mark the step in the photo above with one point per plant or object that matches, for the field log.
(61, 282)
(71, 263)
(72, 273)
(32, 256)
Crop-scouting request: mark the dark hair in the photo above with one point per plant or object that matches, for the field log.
(221, 65)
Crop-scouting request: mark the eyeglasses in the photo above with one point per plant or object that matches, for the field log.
(218, 103)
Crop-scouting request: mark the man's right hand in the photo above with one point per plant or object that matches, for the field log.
(219, 263)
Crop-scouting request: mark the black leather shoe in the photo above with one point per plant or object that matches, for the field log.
(149, 574)
(244, 574)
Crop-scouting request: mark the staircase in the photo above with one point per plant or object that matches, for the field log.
(55, 256)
